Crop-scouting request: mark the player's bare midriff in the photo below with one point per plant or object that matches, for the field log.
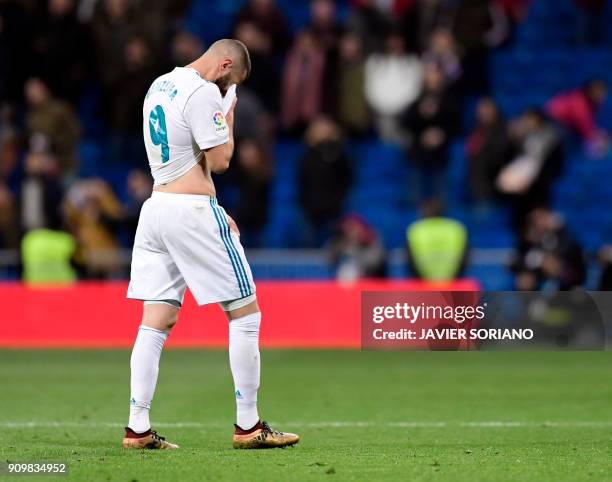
(195, 181)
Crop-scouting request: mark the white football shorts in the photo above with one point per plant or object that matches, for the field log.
(184, 240)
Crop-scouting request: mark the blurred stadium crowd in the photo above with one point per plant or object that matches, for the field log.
(360, 117)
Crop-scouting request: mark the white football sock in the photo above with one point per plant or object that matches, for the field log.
(244, 362)
(144, 366)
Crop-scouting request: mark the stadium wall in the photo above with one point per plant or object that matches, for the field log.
(297, 314)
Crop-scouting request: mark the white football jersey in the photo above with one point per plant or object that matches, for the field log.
(183, 114)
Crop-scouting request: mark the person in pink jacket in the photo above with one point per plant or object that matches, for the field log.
(576, 110)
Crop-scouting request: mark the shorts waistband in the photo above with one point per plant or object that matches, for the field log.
(182, 197)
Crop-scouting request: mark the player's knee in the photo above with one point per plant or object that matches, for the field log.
(162, 324)
(170, 322)
(160, 315)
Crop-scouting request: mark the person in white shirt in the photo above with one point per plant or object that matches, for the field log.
(185, 238)
(393, 81)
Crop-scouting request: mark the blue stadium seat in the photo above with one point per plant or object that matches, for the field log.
(492, 277)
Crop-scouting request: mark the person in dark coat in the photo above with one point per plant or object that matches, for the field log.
(325, 176)
(488, 149)
(548, 254)
(432, 122)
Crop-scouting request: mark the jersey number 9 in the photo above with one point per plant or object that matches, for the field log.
(159, 134)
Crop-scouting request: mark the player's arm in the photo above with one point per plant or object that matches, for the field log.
(218, 157)
(210, 128)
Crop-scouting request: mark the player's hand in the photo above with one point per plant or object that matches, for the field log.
(230, 114)
(232, 224)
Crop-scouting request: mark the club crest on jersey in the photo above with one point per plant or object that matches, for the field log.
(219, 123)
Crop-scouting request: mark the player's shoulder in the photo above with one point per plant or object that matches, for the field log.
(192, 87)
(181, 83)
(192, 81)
(206, 90)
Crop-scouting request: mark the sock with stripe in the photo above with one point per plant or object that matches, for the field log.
(144, 366)
(245, 365)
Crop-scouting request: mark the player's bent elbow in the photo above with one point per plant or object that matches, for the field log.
(218, 158)
(220, 166)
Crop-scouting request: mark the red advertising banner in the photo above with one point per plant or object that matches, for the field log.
(304, 314)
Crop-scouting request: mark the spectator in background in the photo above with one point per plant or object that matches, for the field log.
(302, 82)
(139, 186)
(46, 256)
(353, 113)
(591, 21)
(62, 50)
(253, 175)
(605, 261)
(393, 81)
(420, 20)
(185, 48)
(476, 28)
(124, 103)
(327, 30)
(442, 53)
(9, 235)
(41, 191)
(527, 179)
(370, 23)
(9, 159)
(437, 246)
(259, 94)
(268, 18)
(324, 24)
(548, 256)
(356, 251)
(93, 213)
(488, 149)
(113, 24)
(325, 176)
(501, 25)
(576, 111)
(254, 129)
(251, 119)
(152, 18)
(10, 144)
(172, 13)
(432, 121)
(55, 122)
(263, 80)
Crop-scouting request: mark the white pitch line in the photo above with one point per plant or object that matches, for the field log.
(328, 424)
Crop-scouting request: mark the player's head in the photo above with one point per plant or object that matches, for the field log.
(232, 60)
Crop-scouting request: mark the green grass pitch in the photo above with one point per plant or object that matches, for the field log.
(363, 416)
